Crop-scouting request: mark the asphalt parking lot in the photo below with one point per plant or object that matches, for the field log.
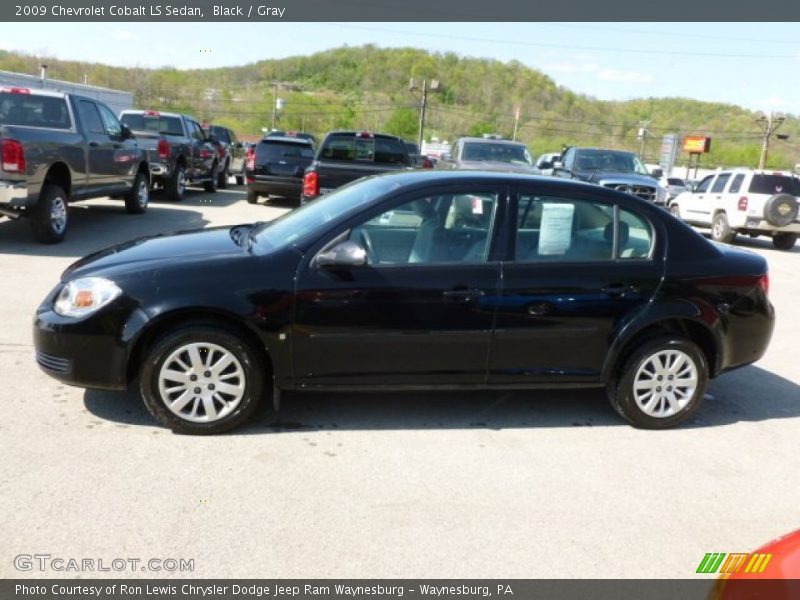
(522, 484)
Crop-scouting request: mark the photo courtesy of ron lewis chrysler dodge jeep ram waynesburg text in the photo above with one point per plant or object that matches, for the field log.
(451, 279)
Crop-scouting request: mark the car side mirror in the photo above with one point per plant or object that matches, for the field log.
(126, 133)
(347, 254)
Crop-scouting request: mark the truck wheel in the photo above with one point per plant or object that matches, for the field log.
(176, 185)
(222, 181)
(240, 178)
(50, 218)
(252, 197)
(137, 199)
(211, 184)
(661, 384)
(720, 230)
(784, 241)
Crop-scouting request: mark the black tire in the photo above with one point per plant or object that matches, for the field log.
(720, 230)
(50, 218)
(202, 333)
(780, 210)
(240, 180)
(139, 197)
(222, 179)
(621, 390)
(252, 197)
(784, 241)
(176, 184)
(212, 183)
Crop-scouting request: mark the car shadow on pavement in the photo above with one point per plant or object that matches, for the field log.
(750, 394)
(195, 196)
(96, 226)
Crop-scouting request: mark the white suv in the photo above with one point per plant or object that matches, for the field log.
(744, 201)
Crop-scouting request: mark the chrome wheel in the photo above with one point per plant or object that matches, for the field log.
(181, 182)
(665, 383)
(143, 194)
(717, 229)
(201, 382)
(58, 215)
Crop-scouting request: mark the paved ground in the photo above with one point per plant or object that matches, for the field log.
(429, 485)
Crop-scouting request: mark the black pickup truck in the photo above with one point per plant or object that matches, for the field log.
(345, 156)
(58, 147)
(180, 152)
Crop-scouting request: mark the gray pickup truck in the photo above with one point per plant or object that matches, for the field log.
(59, 147)
(180, 152)
(345, 156)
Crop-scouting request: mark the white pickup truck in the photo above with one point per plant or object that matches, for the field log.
(744, 201)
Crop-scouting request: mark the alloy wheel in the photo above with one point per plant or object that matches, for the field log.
(665, 383)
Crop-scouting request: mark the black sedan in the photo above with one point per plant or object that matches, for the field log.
(408, 281)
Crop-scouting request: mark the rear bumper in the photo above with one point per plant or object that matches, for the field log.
(159, 170)
(290, 187)
(14, 194)
(759, 224)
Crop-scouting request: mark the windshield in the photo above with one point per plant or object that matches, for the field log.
(157, 123)
(307, 219)
(509, 153)
(609, 160)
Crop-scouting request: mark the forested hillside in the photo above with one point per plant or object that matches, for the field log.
(367, 88)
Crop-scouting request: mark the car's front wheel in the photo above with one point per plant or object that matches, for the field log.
(720, 229)
(138, 198)
(213, 181)
(222, 178)
(202, 379)
(661, 384)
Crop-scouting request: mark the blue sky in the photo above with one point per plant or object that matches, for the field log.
(755, 65)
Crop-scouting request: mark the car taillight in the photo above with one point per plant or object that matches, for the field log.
(15, 90)
(763, 281)
(365, 135)
(250, 159)
(311, 184)
(13, 156)
(427, 163)
(163, 149)
(743, 203)
(205, 153)
(151, 113)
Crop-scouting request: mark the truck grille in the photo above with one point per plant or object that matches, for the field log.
(645, 192)
(53, 363)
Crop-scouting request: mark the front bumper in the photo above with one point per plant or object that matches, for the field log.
(90, 352)
(13, 194)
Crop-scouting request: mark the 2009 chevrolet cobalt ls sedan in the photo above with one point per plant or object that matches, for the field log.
(414, 280)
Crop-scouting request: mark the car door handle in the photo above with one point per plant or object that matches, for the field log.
(93, 144)
(619, 289)
(462, 296)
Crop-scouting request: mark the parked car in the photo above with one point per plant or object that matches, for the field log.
(275, 167)
(394, 282)
(546, 161)
(345, 156)
(488, 154)
(180, 152)
(232, 157)
(674, 186)
(58, 148)
(417, 159)
(744, 201)
(615, 169)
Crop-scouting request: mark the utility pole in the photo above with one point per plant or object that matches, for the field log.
(643, 127)
(769, 123)
(516, 123)
(275, 105)
(434, 87)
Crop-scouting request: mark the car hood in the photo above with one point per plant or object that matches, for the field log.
(493, 165)
(145, 253)
(605, 178)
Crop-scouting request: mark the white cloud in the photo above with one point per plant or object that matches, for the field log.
(123, 35)
(624, 76)
(774, 102)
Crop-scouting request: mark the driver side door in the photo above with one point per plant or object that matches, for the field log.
(420, 311)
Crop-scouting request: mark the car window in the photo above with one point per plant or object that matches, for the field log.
(153, 121)
(703, 185)
(448, 228)
(763, 183)
(91, 117)
(34, 111)
(635, 236)
(720, 182)
(275, 151)
(110, 121)
(222, 134)
(736, 183)
(364, 147)
(674, 181)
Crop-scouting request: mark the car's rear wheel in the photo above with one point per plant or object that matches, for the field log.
(50, 218)
(784, 241)
(661, 384)
(176, 185)
(252, 197)
(720, 229)
(201, 379)
(139, 197)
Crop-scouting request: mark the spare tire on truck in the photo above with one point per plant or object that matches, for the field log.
(780, 210)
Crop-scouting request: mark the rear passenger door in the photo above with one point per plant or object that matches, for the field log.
(579, 268)
(100, 148)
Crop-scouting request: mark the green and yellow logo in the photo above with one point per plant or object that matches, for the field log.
(735, 562)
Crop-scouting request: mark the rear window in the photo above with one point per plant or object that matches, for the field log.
(222, 134)
(673, 181)
(353, 147)
(774, 184)
(509, 153)
(34, 111)
(275, 151)
(154, 123)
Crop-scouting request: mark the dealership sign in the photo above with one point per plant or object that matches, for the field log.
(696, 144)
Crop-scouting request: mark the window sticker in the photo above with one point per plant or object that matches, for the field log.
(555, 235)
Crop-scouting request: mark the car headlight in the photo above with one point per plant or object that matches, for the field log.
(82, 297)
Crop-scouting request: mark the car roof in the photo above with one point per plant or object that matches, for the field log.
(160, 113)
(374, 134)
(287, 139)
(480, 140)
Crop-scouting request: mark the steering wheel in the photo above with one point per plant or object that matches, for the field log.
(366, 241)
